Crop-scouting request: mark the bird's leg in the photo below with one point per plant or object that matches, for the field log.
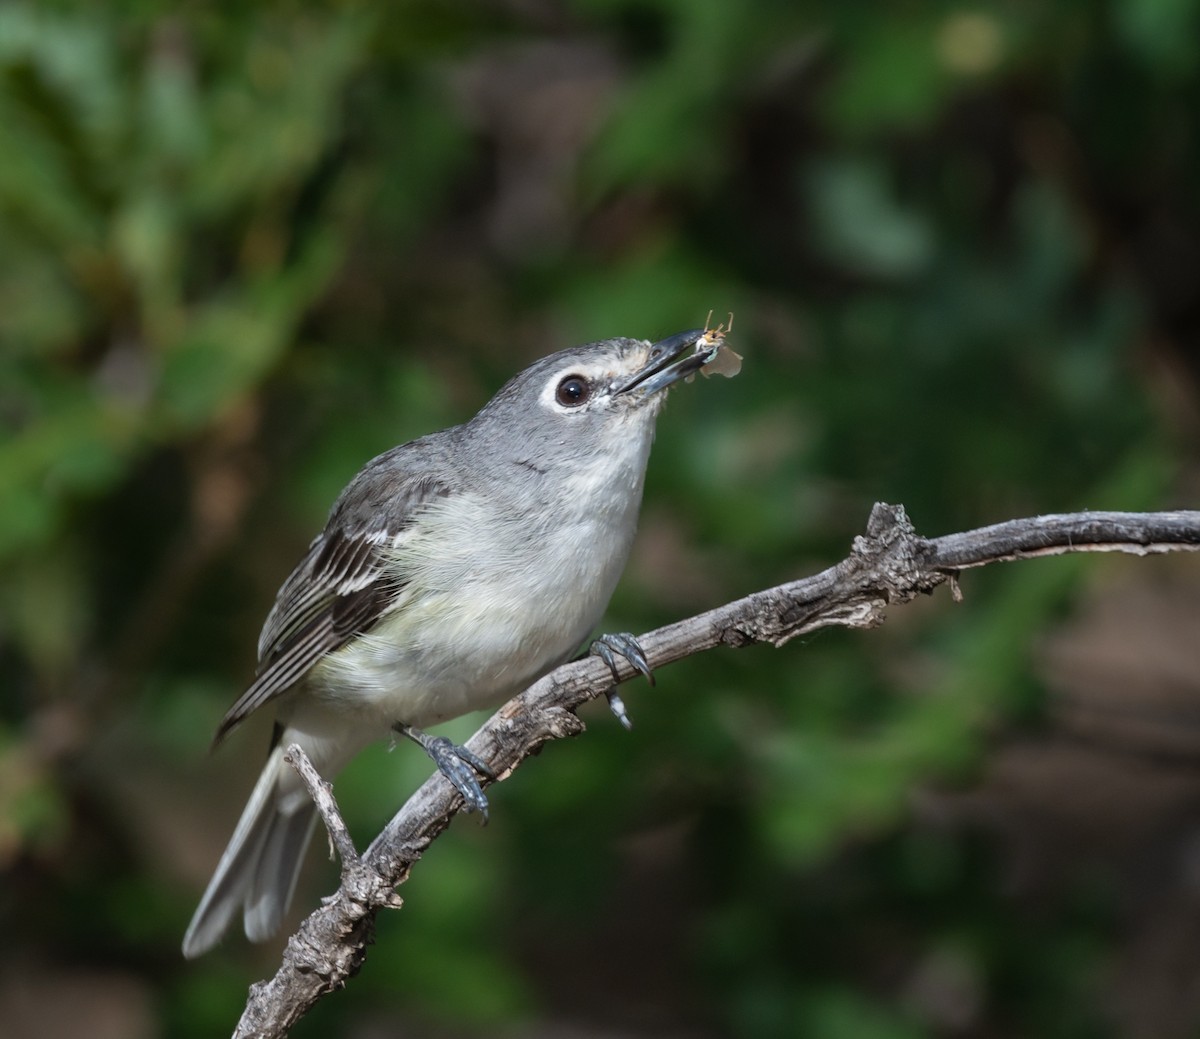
(608, 648)
(457, 764)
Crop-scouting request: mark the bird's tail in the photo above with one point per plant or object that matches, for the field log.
(258, 871)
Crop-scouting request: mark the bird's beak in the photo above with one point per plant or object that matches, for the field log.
(670, 360)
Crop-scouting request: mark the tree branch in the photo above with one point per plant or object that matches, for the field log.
(888, 565)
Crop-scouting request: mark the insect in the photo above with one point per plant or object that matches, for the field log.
(721, 359)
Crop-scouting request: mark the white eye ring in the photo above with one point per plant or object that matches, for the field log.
(575, 388)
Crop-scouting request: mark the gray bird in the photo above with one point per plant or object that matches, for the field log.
(454, 571)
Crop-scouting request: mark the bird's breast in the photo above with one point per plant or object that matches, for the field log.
(492, 599)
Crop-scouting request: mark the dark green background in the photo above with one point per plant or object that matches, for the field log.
(245, 247)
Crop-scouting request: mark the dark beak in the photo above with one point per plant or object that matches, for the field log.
(670, 360)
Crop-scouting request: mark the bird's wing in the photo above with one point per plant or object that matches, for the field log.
(342, 586)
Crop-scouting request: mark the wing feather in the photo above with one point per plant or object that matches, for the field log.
(343, 584)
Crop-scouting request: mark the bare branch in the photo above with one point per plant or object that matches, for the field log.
(1138, 533)
(889, 564)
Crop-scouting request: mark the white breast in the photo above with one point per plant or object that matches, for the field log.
(492, 601)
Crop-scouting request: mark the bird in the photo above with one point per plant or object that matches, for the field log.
(453, 571)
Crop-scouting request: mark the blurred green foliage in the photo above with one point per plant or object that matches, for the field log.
(243, 248)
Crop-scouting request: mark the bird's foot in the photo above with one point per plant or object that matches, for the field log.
(608, 648)
(457, 764)
(621, 644)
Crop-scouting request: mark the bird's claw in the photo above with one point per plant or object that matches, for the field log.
(621, 644)
(458, 764)
(617, 706)
(608, 648)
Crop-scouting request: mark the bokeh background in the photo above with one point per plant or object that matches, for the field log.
(244, 247)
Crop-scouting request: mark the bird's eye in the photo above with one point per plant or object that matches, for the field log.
(573, 391)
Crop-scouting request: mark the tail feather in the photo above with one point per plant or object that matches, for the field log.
(258, 871)
(274, 880)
